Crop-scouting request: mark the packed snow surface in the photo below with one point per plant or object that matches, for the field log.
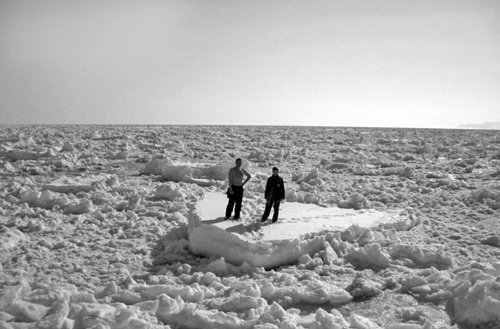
(122, 227)
(296, 219)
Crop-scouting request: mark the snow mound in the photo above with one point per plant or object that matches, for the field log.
(15, 155)
(219, 171)
(79, 184)
(423, 257)
(355, 201)
(475, 296)
(155, 167)
(191, 173)
(209, 240)
(488, 197)
(178, 192)
(369, 256)
(184, 174)
(311, 291)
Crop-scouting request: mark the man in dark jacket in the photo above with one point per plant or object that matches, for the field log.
(275, 192)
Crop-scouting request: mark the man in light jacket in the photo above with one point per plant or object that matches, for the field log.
(235, 190)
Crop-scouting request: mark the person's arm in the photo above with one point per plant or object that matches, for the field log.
(246, 174)
(230, 179)
(282, 190)
(268, 188)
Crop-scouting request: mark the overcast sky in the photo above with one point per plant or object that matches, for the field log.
(388, 63)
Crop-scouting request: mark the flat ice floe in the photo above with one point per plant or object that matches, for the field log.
(295, 219)
(268, 244)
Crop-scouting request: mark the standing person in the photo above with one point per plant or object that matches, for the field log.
(275, 192)
(235, 190)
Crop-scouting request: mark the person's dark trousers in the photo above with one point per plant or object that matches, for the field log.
(271, 203)
(235, 200)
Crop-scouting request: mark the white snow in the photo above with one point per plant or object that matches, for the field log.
(123, 228)
(75, 184)
(297, 219)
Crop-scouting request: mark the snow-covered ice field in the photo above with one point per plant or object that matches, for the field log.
(122, 227)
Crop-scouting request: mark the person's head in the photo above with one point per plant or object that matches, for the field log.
(275, 171)
(238, 162)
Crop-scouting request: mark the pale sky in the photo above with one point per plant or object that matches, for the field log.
(387, 63)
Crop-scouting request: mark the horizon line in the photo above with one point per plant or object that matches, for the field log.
(461, 127)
